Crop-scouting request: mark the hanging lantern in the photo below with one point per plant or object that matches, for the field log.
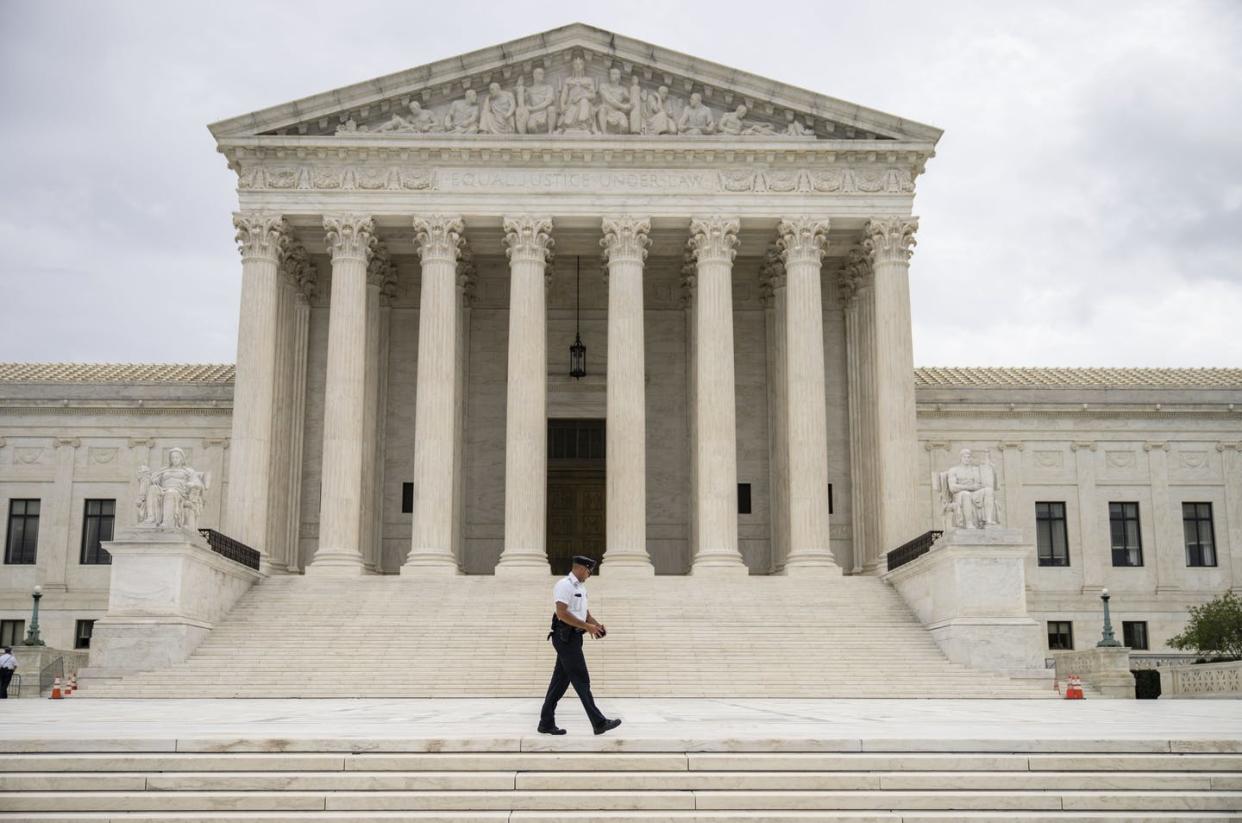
(577, 352)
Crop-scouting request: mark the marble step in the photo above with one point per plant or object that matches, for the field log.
(906, 816)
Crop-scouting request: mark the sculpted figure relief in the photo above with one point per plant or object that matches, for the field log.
(616, 104)
(657, 118)
(734, 122)
(971, 490)
(499, 109)
(420, 121)
(794, 128)
(171, 498)
(696, 118)
(577, 101)
(463, 115)
(536, 105)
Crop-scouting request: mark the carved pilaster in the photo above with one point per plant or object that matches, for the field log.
(350, 236)
(625, 239)
(439, 236)
(714, 239)
(380, 267)
(467, 277)
(771, 274)
(689, 279)
(802, 240)
(890, 239)
(296, 267)
(854, 278)
(260, 234)
(528, 239)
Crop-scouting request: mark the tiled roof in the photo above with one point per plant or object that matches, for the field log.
(116, 372)
(933, 377)
(1010, 378)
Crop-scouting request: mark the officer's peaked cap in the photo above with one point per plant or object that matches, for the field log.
(583, 560)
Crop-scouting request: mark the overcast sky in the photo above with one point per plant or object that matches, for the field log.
(1084, 207)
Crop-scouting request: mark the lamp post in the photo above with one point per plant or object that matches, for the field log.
(32, 634)
(1108, 640)
(577, 352)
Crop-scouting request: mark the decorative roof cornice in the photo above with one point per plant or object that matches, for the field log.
(1077, 378)
(116, 373)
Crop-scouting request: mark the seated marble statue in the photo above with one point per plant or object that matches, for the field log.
(695, 117)
(463, 115)
(657, 118)
(172, 497)
(972, 490)
(577, 101)
(734, 122)
(536, 105)
(499, 108)
(615, 105)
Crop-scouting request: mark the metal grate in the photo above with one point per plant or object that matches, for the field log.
(917, 547)
(234, 550)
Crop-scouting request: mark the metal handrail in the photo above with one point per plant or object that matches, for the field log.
(50, 672)
(231, 549)
(912, 549)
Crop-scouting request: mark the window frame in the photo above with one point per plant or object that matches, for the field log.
(1051, 561)
(26, 518)
(18, 635)
(96, 555)
(78, 637)
(1128, 626)
(1199, 521)
(1126, 550)
(1069, 633)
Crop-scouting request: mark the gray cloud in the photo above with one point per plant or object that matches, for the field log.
(1083, 208)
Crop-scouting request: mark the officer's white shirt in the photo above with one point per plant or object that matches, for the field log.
(570, 591)
(8, 661)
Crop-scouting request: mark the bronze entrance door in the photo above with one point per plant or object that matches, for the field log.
(576, 491)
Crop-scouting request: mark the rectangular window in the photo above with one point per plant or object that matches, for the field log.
(743, 498)
(1200, 536)
(1052, 540)
(1134, 633)
(1060, 635)
(573, 439)
(97, 528)
(407, 498)
(23, 534)
(82, 634)
(12, 632)
(1127, 542)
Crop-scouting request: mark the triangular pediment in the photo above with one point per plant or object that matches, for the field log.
(593, 83)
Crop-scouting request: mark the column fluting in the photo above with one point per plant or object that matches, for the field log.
(713, 240)
(350, 241)
(528, 242)
(625, 248)
(801, 242)
(438, 239)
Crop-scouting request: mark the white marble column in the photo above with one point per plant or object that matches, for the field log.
(625, 248)
(1229, 551)
(689, 280)
(213, 449)
(850, 284)
(773, 296)
(53, 553)
(875, 560)
(279, 469)
(713, 241)
(388, 291)
(1166, 548)
(350, 240)
(368, 524)
(889, 241)
(307, 284)
(438, 239)
(801, 242)
(467, 277)
(1095, 548)
(528, 241)
(262, 237)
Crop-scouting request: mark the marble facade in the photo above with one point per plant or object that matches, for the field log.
(408, 249)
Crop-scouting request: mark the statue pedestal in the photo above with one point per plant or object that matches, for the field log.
(168, 591)
(970, 593)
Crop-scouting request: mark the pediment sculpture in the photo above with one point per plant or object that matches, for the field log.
(577, 105)
(171, 497)
(968, 493)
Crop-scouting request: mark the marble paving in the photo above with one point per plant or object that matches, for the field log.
(650, 725)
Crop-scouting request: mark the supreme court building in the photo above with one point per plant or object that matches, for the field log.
(733, 255)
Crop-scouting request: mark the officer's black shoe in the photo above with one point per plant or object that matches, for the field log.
(608, 725)
(550, 729)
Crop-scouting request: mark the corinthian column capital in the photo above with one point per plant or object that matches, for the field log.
(380, 267)
(350, 236)
(439, 236)
(890, 239)
(528, 238)
(260, 234)
(855, 276)
(771, 275)
(294, 263)
(802, 240)
(714, 239)
(625, 239)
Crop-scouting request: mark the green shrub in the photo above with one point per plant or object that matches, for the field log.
(1214, 629)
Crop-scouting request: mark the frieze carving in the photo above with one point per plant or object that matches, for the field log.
(605, 100)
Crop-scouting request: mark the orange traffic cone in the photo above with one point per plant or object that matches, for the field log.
(71, 685)
(1073, 690)
(56, 695)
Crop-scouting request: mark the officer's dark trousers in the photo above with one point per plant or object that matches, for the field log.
(571, 669)
(6, 675)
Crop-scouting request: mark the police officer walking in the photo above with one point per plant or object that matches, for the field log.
(572, 620)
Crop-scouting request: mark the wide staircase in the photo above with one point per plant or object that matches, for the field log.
(540, 780)
(483, 636)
